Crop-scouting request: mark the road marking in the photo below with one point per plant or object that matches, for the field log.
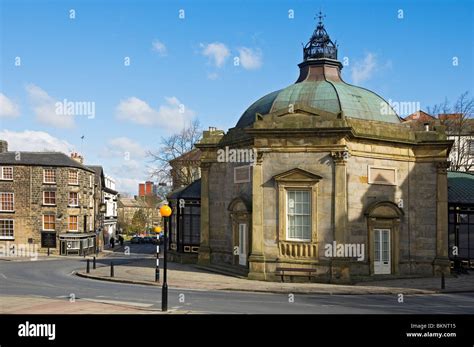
(5, 277)
(115, 302)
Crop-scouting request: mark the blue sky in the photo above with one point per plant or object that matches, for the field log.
(183, 68)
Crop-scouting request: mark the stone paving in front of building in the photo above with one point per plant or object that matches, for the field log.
(186, 276)
(43, 305)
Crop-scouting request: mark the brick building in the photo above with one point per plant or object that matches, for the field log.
(46, 198)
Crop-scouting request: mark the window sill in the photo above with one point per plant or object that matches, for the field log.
(7, 238)
(7, 211)
(49, 205)
(50, 183)
(73, 206)
(6, 179)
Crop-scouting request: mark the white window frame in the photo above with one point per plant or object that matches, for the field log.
(371, 181)
(69, 179)
(74, 242)
(69, 199)
(44, 176)
(13, 202)
(90, 181)
(69, 223)
(308, 191)
(44, 200)
(2, 174)
(2, 237)
(54, 222)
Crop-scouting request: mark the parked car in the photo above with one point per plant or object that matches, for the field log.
(147, 239)
(136, 239)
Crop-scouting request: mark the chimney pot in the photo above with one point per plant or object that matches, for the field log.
(3, 146)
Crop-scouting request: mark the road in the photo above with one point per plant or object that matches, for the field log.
(55, 279)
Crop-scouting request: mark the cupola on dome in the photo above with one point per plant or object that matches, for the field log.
(321, 88)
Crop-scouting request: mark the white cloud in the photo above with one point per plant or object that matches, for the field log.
(217, 53)
(125, 148)
(172, 116)
(250, 59)
(128, 174)
(364, 70)
(159, 47)
(8, 108)
(44, 106)
(34, 141)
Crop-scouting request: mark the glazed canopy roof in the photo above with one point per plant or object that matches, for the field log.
(321, 87)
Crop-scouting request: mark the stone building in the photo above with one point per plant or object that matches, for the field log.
(46, 199)
(105, 203)
(459, 129)
(128, 207)
(185, 168)
(339, 187)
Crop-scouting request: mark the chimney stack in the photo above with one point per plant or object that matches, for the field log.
(3, 146)
(77, 157)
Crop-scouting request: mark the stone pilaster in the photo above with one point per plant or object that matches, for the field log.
(340, 194)
(204, 256)
(441, 262)
(257, 258)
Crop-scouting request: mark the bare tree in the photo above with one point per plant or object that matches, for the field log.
(459, 122)
(173, 147)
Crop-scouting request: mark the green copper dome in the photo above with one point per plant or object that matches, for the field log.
(321, 87)
(335, 97)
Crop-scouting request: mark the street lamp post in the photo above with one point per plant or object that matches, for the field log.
(165, 212)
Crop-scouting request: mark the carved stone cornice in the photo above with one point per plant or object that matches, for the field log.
(205, 165)
(258, 157)
(442, 166)
(340, 157)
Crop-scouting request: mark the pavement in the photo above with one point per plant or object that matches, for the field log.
(12, 304)
(46, 286)
(186, 276)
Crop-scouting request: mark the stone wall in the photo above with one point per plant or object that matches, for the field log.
(316, 163)
(222, 190)
(28, 188)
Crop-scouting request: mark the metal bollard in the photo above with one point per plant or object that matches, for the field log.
(111, 269)
(93, 263)
(443, 282)
(88, 269)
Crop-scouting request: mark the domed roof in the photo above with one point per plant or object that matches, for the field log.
(321, 87)
(335, 97)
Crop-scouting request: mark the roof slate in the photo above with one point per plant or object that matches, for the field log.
(460, 187)
(55, 159)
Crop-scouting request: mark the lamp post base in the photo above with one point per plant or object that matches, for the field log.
(164, 298)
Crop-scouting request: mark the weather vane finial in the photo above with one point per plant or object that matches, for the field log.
(320, 45)
(320, 17)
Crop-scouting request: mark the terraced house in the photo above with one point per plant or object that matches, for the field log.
(46, 198)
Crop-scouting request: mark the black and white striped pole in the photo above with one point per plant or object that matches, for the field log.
(157, 269)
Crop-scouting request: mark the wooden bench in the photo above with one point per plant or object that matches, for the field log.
(292, 272)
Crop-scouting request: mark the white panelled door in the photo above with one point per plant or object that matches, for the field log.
(243, 240)
(382, 254)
